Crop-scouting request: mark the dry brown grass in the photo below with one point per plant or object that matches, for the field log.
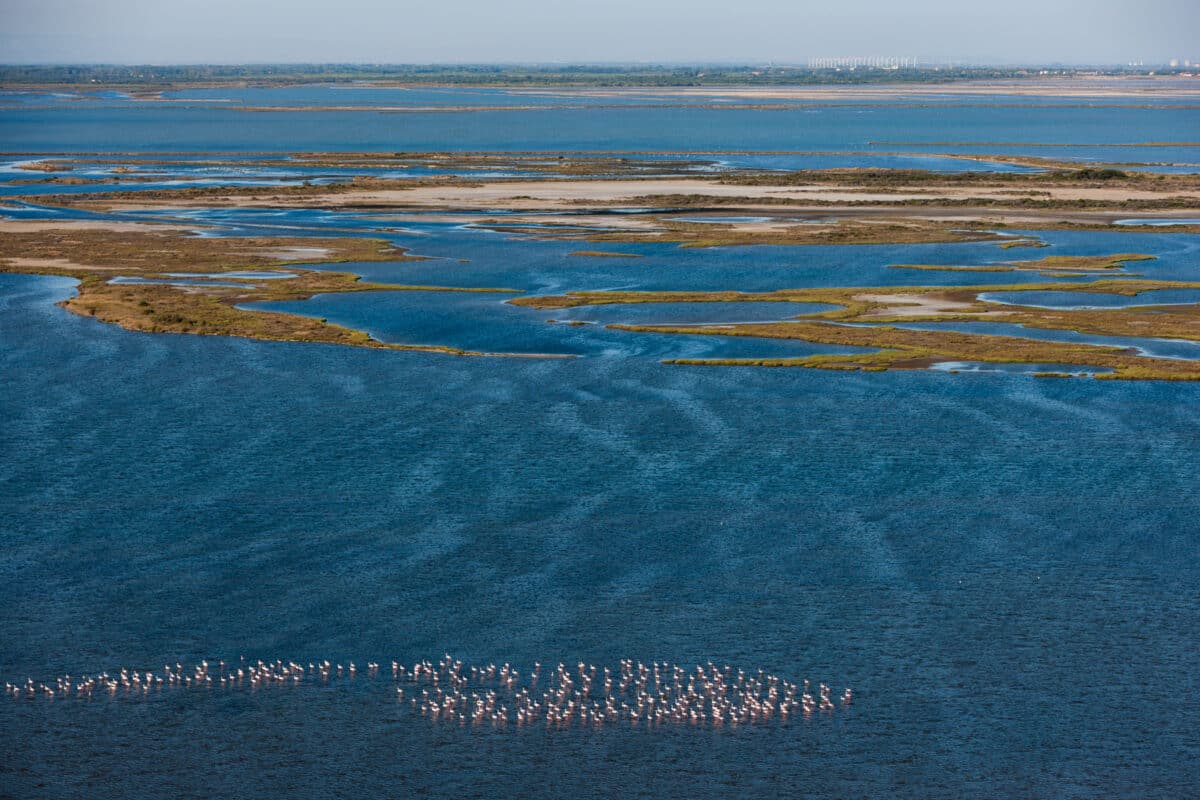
(896, 348)
(95, 257)
(842, 232)
(899, 348)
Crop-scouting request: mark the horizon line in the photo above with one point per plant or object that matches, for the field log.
(640, 63)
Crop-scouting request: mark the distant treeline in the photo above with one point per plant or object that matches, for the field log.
(508, 75)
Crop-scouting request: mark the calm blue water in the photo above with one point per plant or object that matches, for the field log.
(124, 279)
(1067, 300)
(1080, 131)
(794, 161)
(198, 171)
(1138, 92)
(1004, 568)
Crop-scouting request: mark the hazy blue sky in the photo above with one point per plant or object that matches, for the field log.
(402, 31)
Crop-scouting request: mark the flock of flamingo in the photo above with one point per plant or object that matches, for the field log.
(652, 695)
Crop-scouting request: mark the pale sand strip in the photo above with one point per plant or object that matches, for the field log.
(913, 305)
(550, 194)
(38, 226)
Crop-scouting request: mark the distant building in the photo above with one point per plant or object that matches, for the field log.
(853, 62)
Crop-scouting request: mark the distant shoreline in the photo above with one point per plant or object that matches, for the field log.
(696, 77)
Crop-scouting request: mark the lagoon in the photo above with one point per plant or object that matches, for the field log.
(903, 533)
(1003, 567)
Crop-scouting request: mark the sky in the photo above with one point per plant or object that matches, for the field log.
(659, 31)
